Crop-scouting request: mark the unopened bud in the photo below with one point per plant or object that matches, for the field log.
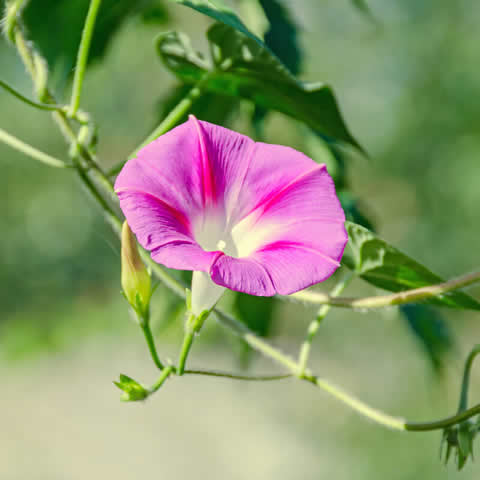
(136, 281)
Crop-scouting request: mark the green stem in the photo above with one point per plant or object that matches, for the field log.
(354, 403)
(145, 325)
(23, 98)
(315, 324)
(234, 376)
(444, 423)
(166, 372)
(192, 327)
(409, 296)
(82, 57)
(31, 151)
(466, 378)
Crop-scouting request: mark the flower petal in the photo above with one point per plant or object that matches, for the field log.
(242, 275)
(294, 267)
(184, 256)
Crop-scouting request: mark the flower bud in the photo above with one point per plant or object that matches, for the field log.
(136, 281)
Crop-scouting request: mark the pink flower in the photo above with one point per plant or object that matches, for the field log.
(253, 217)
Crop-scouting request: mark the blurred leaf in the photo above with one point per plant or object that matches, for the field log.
(257, 75)
(282, 39)
(431, 329)
(282, 36)
(384, 266)
(155, 14)
(218, 10)
(56, 27)
(210, 107)
(353, 209)
(257, 314)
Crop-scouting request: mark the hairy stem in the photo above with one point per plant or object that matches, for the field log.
(315, 324)
(31, 151)
(23, 98)
(82, 57)
(380, 301)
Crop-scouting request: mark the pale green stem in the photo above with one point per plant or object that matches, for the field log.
(192, 327)
(466, 378)
(31, 151)
(408, 296)
(166, 372)
(82, 57)
(145, 326)
(315, 324)
(23, 98)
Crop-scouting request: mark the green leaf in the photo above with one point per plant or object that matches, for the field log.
(244, 68)
(432, 331)
(282, 39)
(56, 27)
(282, 35)
(218, 10)
(384, 266)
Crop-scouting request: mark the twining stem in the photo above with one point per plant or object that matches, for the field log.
(166, 372)
(466, 378)
(315, 324)
(23, 98)
(380, 301)
(82, 57)
(31, 151)
(145, 326)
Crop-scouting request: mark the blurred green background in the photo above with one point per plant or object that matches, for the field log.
(408, 83)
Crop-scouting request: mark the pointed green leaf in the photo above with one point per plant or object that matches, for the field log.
(386, 267)
(218, 10)
(244, 68)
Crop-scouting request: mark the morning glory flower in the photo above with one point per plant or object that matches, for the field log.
(252, 217)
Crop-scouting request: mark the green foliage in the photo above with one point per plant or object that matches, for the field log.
(210, 107)
(218, 10)
(384, 266)
(58, 33)
(432, 331)
(244, 68)
(282, 35)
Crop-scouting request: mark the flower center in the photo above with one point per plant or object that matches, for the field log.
(214, 233)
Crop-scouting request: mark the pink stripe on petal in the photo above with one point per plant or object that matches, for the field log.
(153, 222)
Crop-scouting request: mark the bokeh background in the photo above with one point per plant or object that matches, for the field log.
(408, 83)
